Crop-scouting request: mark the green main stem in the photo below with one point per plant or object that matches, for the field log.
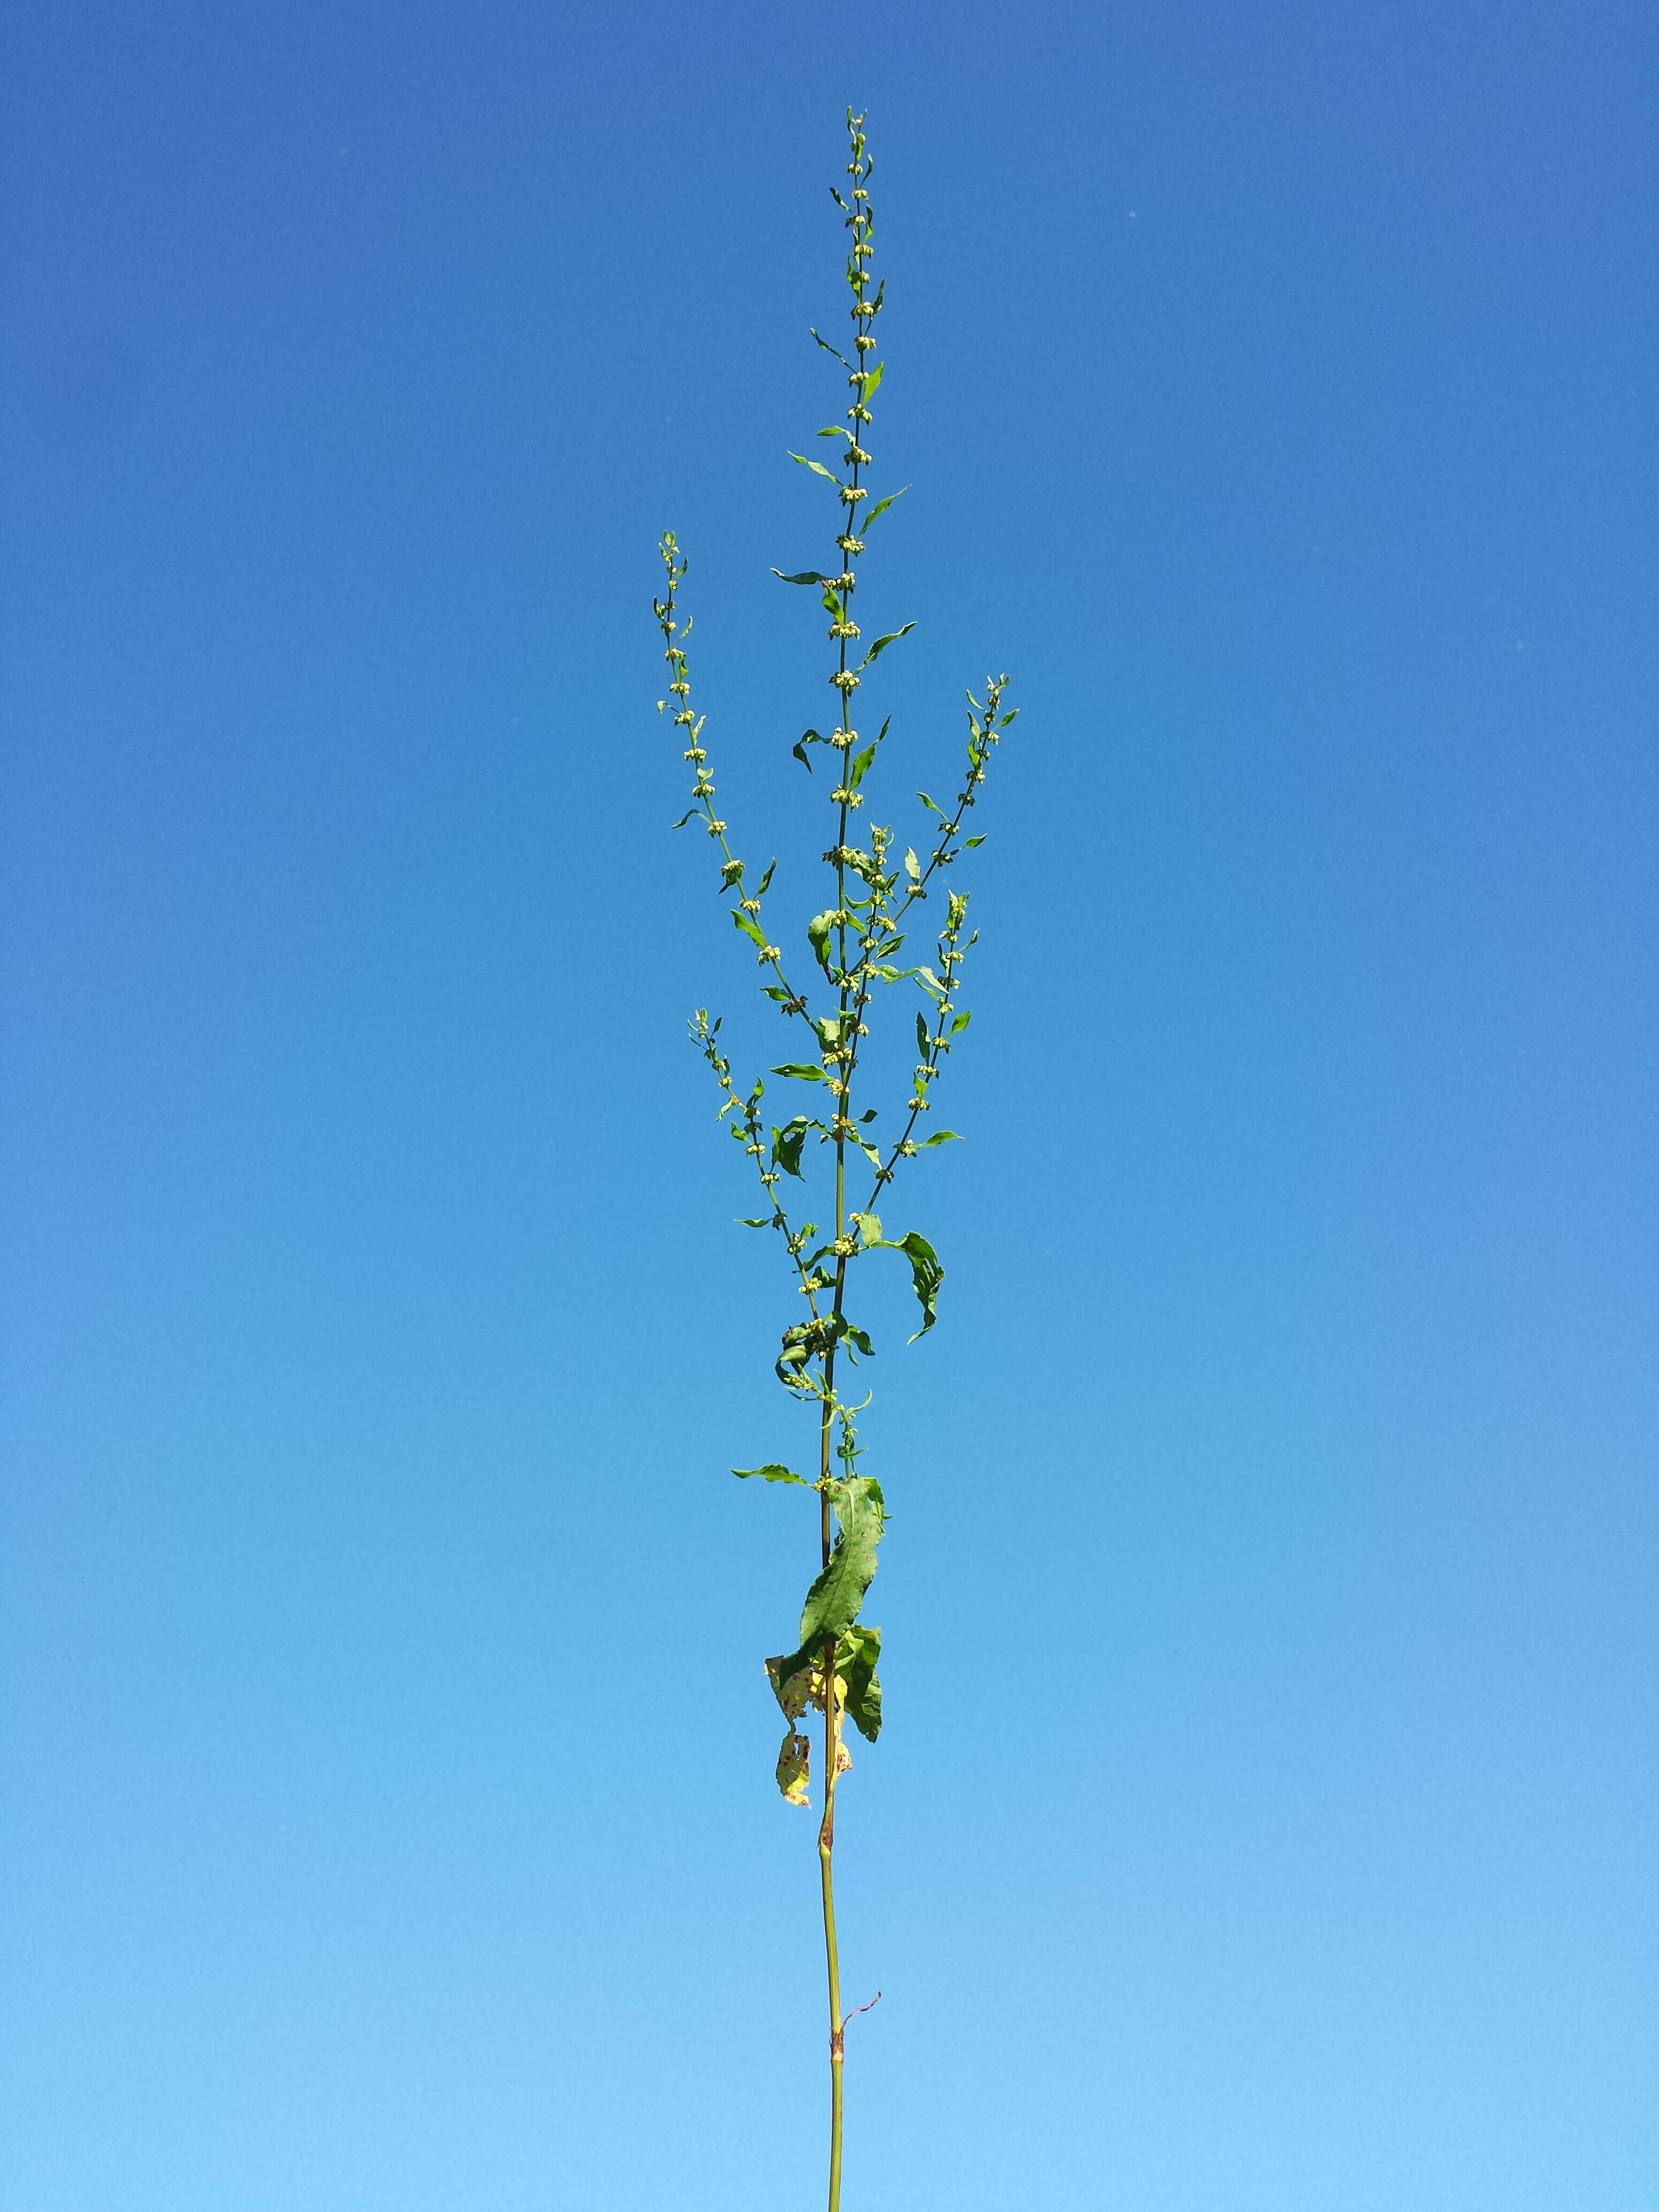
(848, 1043)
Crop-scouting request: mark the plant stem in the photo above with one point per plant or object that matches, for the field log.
(826, 1848)
(827, 1826)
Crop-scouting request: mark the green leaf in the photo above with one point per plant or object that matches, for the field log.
(817, 934)
(771, 1472)
(817, 469)
(749, 926)
(786, 1144)
(880, 506)
(857, 1651)
(803, 1071)
(868, 1226)
(925, 1275)
(961, 1022)
(685, 817)
(765, 883)
(757, 1220)
(971, 841)
(806, 576)
(860, 768)
(932, 805)
(777, 991)
(833, 1601)
(938, 1137)
(871, 383)
(882, 643)
(921, 1035)
(827, 348)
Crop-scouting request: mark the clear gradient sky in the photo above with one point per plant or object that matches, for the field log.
(1265, 1818)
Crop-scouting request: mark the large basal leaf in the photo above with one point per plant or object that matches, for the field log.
(833, 1601)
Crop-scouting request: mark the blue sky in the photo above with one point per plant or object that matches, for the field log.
(1262, 1820)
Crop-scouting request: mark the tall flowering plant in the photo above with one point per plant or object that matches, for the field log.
(829, 997)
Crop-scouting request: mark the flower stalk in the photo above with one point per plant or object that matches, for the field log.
(830, 1006)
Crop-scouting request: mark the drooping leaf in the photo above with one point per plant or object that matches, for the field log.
(857, 1651)
(749, 926)
(686, 817)
(798, 1680)
(925, 1275)
(827, 348)
(938, 1137)
(802, 1069)
(817, 935)
(817, 469)
(833, 1601)
(771, 1472)
(794, 1769)
(806, 576)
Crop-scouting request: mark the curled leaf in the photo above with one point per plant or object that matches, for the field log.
(794, 1768)
(926, 1273)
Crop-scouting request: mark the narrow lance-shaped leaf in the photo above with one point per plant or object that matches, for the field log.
(880, 506)
(882, 643)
